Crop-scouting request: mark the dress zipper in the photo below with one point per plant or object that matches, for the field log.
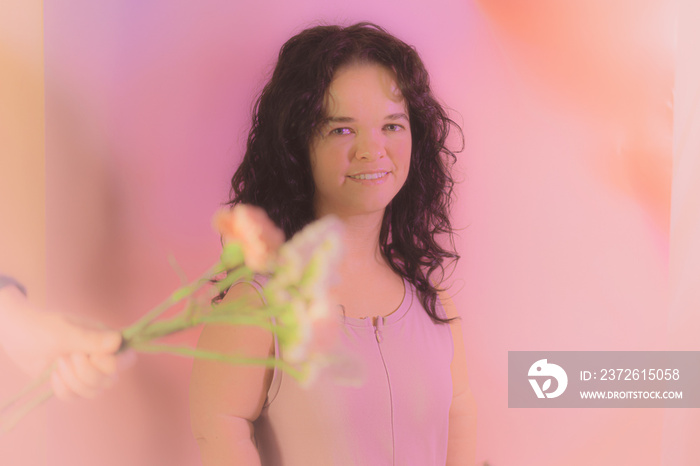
(377, 323)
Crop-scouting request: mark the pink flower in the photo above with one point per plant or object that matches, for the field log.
(258, 236)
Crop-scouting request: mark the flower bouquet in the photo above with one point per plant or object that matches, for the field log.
(295, 305)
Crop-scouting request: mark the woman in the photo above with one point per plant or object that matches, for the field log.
(347, 125)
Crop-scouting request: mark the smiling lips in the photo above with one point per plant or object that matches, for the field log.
(368, 176)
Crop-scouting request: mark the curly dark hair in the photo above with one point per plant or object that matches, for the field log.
(275, 173)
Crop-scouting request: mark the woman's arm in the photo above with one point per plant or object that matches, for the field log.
(226, 399)
(461, 446)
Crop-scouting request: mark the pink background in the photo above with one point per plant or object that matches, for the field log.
(570, 206)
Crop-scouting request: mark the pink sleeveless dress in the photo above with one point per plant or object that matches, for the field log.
(397, 415)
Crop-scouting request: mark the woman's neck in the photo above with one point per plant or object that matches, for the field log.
(361, 243)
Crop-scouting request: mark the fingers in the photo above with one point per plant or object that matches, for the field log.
(89, 340)
(106, 363)
(83, 376)
(60, 389)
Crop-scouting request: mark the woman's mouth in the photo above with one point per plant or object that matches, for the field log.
(369, 176)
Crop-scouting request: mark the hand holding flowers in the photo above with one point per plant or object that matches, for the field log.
(296, 309)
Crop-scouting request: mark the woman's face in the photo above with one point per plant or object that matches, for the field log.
(360, 158)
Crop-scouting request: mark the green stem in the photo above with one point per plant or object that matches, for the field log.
(238, 320)
(31, 386)
(12, 421)
(177, 296)
(233, 307)
(233, 276)
(9, 419)
(203, 354)
(146, 329)
(160, 329)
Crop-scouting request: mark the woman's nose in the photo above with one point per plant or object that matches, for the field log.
(370, 147)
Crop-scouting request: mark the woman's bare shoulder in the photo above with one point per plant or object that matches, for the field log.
(232, 389)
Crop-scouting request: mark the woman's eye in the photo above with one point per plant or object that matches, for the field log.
(341, 131)
(393, 127)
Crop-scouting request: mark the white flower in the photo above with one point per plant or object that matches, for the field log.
(300, 283)
(305, 261)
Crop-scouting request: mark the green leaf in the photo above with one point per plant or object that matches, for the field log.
(232, 255)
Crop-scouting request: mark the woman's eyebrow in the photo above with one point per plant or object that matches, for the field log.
(340, 119)
(397, 116)
(344, 119)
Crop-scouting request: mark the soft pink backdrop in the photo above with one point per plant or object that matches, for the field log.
(564, 203)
